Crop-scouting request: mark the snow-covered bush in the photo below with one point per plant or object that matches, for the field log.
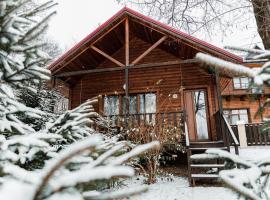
(99, 160)
(170, 138)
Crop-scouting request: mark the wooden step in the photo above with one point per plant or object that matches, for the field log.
(201, 144)
(205, 176)
(207, 142)
(205, 148)
(207, 165)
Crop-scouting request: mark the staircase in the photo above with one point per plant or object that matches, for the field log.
(204, 169)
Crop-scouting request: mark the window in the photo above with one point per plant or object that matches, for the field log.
(147, 103)
(138, 104)
(234, 115)
(111, 105)
(241, 82)
(61, 105)
(132, 99)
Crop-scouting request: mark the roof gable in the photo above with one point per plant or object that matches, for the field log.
(145, 21)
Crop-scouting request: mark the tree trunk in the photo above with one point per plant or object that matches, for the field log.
(262, 15)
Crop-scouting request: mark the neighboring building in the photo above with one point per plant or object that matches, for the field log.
(241, 101)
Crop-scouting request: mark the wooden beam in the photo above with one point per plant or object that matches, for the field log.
(107, 56)
(220, 107)
(110, 69)
(73, 58)
(149, 50)
(108, 31)
(126, 70)
(87, 47)
(127, 41)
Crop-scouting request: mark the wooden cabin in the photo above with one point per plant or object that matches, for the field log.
(145, 70)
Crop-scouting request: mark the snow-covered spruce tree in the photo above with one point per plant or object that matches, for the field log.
(99, 160)
(21, 62)
(250, 179)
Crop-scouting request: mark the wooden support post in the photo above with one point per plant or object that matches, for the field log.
(107, 56)
(126, 70)
(220, 109)
(127, 42)
(242, 134)
(149, 50)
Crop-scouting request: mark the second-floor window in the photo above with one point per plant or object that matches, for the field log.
(241, 82)
(137, 104)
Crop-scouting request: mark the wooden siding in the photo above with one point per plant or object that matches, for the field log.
(165, 81)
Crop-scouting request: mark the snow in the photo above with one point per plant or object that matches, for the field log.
(238, 70)
(254, 153)
(178, 189)
(97, 173)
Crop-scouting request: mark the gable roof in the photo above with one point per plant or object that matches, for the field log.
(129, 12)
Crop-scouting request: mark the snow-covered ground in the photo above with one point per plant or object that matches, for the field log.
(178, 188)
(255, 152)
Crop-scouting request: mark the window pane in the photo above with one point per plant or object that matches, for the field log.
(111, 105)
(235, 112)
(235, 119)
(133, 104)
(244, 118)
(142, 103)
(236, 83)
(124, 105)
(150, 103)
(245, 82)
(243, 111)
(200, 112)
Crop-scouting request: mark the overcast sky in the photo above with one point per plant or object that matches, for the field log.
(77, 18)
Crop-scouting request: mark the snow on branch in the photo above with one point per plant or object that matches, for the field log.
(114, 195)
(236, 69)
(222, 64)
(97, 170)
(250, 179)
(247, 50)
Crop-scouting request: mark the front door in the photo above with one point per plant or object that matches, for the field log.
(196, 107)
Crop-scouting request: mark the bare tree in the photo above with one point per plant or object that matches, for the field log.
(262, 14)
(210, 16)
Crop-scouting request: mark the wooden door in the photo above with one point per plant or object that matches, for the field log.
(196, 107)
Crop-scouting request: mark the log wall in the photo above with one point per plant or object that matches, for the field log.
(165, 81)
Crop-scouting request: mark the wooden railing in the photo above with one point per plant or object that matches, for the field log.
(231, 135)
(186, 135)
(174, 119)
(255, 136)
(225, 132)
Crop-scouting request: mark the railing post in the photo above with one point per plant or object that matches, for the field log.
(242, 134)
